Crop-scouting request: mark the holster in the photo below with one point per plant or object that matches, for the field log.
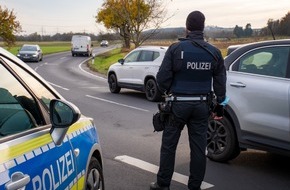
(162, 116)
(165, 107)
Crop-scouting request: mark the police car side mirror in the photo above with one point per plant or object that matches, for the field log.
(62, 115)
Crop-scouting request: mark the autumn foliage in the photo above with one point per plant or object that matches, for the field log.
(8, 26)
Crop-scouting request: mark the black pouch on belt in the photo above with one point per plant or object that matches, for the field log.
(160, 117)
(158, 121)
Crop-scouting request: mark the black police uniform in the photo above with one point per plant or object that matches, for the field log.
(189, 69)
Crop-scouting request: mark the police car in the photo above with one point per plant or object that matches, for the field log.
(45, 142)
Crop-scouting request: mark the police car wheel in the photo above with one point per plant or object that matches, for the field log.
(222, 143)
(113, 84)
(151, 90)
(95, 178)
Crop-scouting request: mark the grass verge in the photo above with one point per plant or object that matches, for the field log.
(102, 62)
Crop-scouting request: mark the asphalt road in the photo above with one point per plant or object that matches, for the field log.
(131, 149)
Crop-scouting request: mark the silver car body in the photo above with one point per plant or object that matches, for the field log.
(258, 113)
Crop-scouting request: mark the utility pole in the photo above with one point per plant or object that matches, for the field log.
(41, 38)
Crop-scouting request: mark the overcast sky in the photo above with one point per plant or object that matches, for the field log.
(52, 16)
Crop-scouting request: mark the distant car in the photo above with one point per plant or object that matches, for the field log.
(257, 115)
(104, 43)
(45, 142)
(29, 52)
(138, 71)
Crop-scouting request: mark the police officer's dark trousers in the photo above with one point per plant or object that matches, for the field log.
(195, 116)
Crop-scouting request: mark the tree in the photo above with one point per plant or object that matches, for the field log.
(248, 30)
(8, 26)
(277, 27)
(285, 25)
(131, 17)
(238, 31)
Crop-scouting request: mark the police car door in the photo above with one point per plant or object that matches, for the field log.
(28, 156)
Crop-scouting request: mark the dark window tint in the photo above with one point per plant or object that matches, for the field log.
(18, 110)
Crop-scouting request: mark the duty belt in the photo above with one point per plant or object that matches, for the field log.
(186, 98)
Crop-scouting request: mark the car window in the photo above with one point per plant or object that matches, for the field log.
(132, 57)
(271, 61)
(18, 110)
(156, 55)
(29, 48)
(146, 56)
(42, 93)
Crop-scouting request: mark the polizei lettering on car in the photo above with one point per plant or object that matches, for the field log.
(56, 173)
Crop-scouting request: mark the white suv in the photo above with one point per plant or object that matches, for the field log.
(138, 71)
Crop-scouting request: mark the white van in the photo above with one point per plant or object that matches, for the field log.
(81, 45)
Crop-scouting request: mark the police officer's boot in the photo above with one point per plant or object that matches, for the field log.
(155, 186)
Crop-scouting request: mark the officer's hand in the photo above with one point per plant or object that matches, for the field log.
(218, 112)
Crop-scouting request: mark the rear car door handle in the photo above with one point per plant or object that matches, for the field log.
(18, 181)
(238, 84)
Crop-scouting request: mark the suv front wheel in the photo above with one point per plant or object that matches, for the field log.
(151, 91)
(113, 84)
(222, 144)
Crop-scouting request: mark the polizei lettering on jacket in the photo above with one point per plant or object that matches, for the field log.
(199, 65)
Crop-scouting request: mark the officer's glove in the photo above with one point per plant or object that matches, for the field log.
(225, 102)
(218, 110)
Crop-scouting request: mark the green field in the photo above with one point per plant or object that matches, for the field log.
(47, 47)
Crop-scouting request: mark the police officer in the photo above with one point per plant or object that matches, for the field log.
(189, 70)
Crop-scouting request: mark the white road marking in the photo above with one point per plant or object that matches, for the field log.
(58, 86)
(92, 87)
(109, 101)
(80, 67)
(154, 169)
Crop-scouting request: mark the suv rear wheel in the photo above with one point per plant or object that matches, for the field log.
(151, 90)
(222, 144)
(113, 84)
